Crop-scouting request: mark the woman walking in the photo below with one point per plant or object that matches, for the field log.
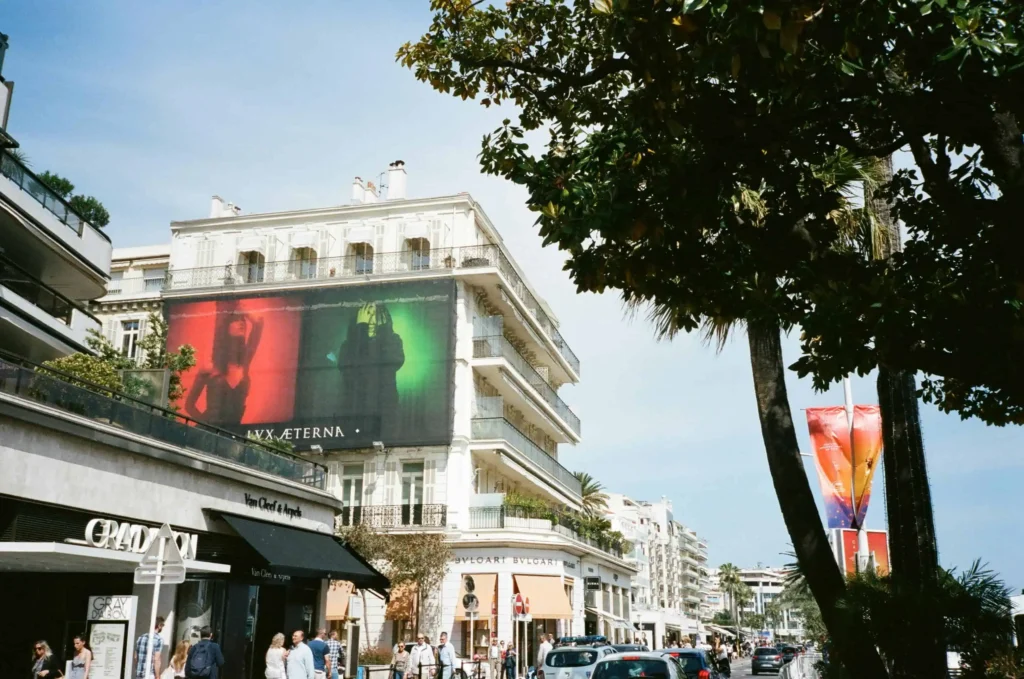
(275, 658)
(176, 668)
(83, 659)
(400, 662)
(44, 665)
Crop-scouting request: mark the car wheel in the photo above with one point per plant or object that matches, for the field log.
(460, 673)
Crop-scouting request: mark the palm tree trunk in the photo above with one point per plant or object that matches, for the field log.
(913, 551)
(817, 563)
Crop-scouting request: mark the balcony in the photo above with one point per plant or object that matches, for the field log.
(498, 347)
(82, 399)
(513, 518)
(396, 516)
(501, 432)
(464, 260)
(127, 287)
(30, 207)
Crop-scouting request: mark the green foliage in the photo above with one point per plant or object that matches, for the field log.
(59, 185)
(585, 525)
(280, 445)
(420, 559)
(681, 157)
(595, 501)
(723, 618)
(154, 347)
(91, 210)
(375, 655)
(91, 371)
(754, 621)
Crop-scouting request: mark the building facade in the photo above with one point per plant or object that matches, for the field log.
(767, 584)
(137, 277)
(672, 577)
(397, 341)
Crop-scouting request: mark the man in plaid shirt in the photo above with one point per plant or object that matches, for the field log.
(141, 645)
(336, 654)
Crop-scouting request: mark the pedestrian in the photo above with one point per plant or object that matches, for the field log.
(421, 657)
(493, 658)
(400, 662)
(176, 668)
(318, 647)
(275, 658)
(205, 658)
(141, 646)
(446, 657)
(300, 658)
(335, 656)
(511, 662)
(44, 664)
(542, 650)
(83, 659)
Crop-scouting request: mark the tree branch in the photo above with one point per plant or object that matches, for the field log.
(603, 70)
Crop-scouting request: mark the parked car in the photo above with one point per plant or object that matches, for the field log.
(766, 659)
(573, 662)
(628, 648)
(694, 662)
(646, 664)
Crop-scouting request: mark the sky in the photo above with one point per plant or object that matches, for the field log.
(154, 107)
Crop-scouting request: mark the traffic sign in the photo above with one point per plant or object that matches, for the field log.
(518, 604)
(162, 560)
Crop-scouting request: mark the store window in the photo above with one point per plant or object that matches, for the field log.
(200, 603)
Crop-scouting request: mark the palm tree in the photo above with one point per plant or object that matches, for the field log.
(730, 583)
(840, 175)
(773, 616)
(594, 498)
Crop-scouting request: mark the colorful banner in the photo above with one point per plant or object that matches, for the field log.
(878, 546)
(847, 490)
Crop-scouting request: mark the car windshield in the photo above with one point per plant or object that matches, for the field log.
(649, 668)
(765, 651)
(629, 647)
(575, 657)
(690, 662)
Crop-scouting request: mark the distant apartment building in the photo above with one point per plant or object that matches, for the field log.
(137, 277)
(671, 562)
(396, 341)
(767, 585)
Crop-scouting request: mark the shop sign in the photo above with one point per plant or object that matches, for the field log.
(110, 608)
(132, 537)
(265, 574)
(272, 506)
(512, 560)
(592, 584)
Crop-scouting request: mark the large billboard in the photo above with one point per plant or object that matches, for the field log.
(338, 367)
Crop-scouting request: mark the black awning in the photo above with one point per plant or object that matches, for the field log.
(305, 553)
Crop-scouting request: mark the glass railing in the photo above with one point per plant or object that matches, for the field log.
(499, 347)
(484, 518)
(500, 429)
(38, 293)
(73, 395)
(28, 182)
(356, 266)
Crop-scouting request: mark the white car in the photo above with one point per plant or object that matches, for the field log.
(573, 662)
(645, 664)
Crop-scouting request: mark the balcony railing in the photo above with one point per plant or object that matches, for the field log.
(28, 182)
(485, 518)
(396, 516)
(499, 347)
(354, 266)
(74, 395)
(38, 293)
(135, 286)
(496, 428)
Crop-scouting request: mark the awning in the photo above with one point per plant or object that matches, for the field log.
(483, 588)
(304, 239)
(418, 230)
(337, 599)
(721, 631)
(402, 605)
(547, 596)
(361, 234)
(253, 244)
(304, 553)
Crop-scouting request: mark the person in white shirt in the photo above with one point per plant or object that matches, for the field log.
(275, 658)
(421, 658)
(493, 658)
(543, 650)
(446, 657)
(300, 658)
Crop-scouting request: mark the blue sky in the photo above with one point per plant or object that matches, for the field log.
(154, 107)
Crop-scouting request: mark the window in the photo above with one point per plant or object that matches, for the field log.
(352, 494)
(116, 279)
(363, 257)
(419, 253)
(303, 263)
(130, 336)
(154, 279)
(251, 265)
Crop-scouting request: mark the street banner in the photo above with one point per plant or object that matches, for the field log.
(847, 491)
(878, 548)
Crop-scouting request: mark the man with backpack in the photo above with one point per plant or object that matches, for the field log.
(205, 658)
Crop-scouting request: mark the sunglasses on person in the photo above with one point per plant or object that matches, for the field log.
(39, 648)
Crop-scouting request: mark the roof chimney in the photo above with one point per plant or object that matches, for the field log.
(216, 207)
(371, 193)
(397, 179)
(358, 192)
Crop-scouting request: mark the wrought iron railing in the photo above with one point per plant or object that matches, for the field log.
(38, 293)
(396, 516)
(80, 397)
(28, 182)
(354, 266)
(484, 518)
(499, 347)
(496, 428)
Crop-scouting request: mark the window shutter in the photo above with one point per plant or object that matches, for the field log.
(369, 480)
(429, 478)
(391, 482)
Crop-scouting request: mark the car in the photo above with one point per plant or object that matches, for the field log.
(694, 662)
(573, 662)
(766, 659)
(626, 648)
(645, 664)
(789, 652)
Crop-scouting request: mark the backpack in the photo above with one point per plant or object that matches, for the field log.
(201, 663)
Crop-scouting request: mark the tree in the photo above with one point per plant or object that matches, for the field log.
(156, 355)
(87, 207)
(773, 616)
(594, 498)
(723, 618)
(93, 371)
(61, 186)
(754, 621)
(732, 586)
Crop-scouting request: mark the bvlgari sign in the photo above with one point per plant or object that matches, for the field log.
(132, 537)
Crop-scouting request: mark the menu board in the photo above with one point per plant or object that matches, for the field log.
(107, 641)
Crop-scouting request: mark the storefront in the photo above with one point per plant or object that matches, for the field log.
(607, 607)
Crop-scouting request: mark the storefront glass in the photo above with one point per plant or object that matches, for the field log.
(200, 603)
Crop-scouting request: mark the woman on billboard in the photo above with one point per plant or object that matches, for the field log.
(369, 360)
(226, 379)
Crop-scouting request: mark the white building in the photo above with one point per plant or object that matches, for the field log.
(137, 278)
(476, 421)
(671, 562)
(767, 585)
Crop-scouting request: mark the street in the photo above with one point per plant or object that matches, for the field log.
(741, 668)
